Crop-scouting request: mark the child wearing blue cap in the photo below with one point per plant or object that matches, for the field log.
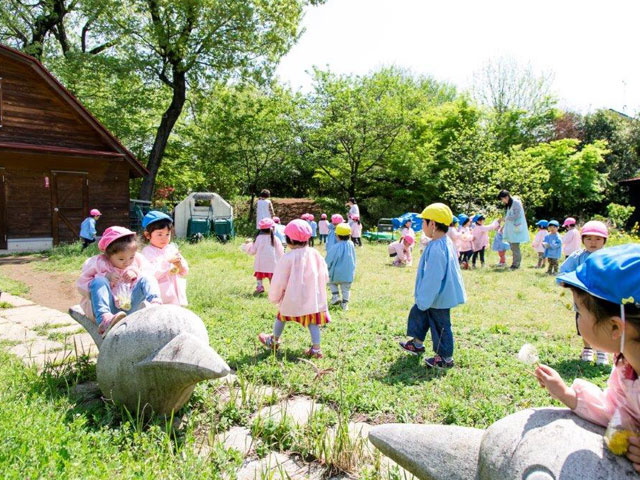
(538, 239)
(606, 291)
(170, 268)
(552, 244)
(439, 287)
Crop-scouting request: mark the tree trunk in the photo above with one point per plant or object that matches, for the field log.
(169, 119)
(253, 197)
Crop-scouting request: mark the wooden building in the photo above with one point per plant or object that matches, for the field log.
(56, 160)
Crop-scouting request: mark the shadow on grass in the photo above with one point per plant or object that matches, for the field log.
(579, 369)
(410, 370)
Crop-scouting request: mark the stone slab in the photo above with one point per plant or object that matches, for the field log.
(14, 332)
(15, 300)
(278, 466)
(36, 316)
(238, 438)
(38, 347)
(299, 409)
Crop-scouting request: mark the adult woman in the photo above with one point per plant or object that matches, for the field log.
(516, 230)
(354, 211)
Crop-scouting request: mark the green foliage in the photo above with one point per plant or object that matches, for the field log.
(619, 214)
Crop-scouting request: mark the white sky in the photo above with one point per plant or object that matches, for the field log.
(591, 46)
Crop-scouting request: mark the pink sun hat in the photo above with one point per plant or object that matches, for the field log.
(310, 217)
(355, 217)
(112, 234)
(336, 218)
(595, 228)
(265, 223)
(298, 230)
(323, 216)
(276, 219)
(408, 239)
(569, 221)
(94, 212)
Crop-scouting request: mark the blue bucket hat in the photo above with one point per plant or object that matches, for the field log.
(542, 223)
(554, 223)
(463, 218)
(612, 274)
(454, 220)
(154, 216)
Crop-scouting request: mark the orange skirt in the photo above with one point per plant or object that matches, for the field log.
(320, 318)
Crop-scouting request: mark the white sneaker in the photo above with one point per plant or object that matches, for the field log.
(345, 306)
(587, 355)
(602, 358)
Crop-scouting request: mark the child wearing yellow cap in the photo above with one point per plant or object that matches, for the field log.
(341, 263)
(439, 287)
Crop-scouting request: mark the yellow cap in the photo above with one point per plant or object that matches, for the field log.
(438, 212)
(343, 229)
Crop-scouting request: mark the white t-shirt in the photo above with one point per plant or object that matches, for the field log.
(354, 210)
(262, 210)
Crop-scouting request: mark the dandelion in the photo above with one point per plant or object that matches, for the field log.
(528, 354)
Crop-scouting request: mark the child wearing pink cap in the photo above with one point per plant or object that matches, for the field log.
(400, 251)
(571, 239)
(299, 289)
(356, 230)
(323, 228)
(314, 228)
(88, 228)
(121, 269)
(267, 250)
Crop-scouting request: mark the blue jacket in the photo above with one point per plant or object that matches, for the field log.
(331, 238)
(314, 228)
(439, 283)
(554, 250)
(341, 261)
(498, 244)
(278, 232)
(576, 259)
(88, 228)
(515, 223)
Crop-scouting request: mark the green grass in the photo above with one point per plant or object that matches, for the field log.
(44, 432)
(13, 286)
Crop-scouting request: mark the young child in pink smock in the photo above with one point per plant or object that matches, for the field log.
(356, 230)
(323, 228)
(299, 288)
(466, 239)
(170, 268)
(606, 291)
(116, 282)
(454, 235)
(480, 238)
(267, 250)
(538, 240)
(400, 251)
(571, 241)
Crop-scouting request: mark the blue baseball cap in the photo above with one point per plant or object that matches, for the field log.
(612, 274)
(554, 223)
(454, 220)
(154, 216)
(542, 223)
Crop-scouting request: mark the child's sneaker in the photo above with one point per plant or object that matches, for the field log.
(314, 353)
(335, 300)
(108, 322)
(259, 290)
(438, 362)
(268, 341)
(587, 355)
(602, 358)
(411, 347)
(345, 305)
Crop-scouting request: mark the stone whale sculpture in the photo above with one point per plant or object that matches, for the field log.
(152, 360)
(534, 444)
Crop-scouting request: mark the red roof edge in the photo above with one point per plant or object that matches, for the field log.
(39, 68)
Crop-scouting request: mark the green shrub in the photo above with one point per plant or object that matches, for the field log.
(619, 214)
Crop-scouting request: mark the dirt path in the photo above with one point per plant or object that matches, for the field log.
(53, 290)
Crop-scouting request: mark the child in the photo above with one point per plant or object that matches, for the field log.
(501, 247)
(299, 288)
(571, 239)
(278, 231)
(336, 219)
(341, 262)
(480, 238)
(267, 252)
(537, 241)
(88, 228)
(606, 289)
(119, 267)
(407, 229)
(439, 288)
(454, 235)
(466, 239)
(356, 230)
(400, 250)
(594, 237)
(169, 266)
(552, 244)
(323, 228)
(264, 207)
(314, 229)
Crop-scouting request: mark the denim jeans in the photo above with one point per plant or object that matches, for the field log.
(438, 320)
(102, 300)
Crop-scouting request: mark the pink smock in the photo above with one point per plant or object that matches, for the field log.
(356, 230)
(323, 227)
(173, 285)
(538, 239)
(466, 238)
(267, 255)
(403, 253)
(571, 241)
(299, 283)
(480, 235)
(456, 238)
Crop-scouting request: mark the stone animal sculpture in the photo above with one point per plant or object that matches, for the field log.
(152, 360)
(534, 444)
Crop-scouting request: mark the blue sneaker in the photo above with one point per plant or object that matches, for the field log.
(438, 362)
(411, 347)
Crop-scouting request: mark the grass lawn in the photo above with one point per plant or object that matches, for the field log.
(46, 433)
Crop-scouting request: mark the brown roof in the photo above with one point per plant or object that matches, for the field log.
(137, 169)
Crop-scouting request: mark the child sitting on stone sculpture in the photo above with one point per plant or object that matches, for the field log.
(169, 267)
(118, 281)
(606, 292)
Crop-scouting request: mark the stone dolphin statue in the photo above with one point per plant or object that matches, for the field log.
(534, 444)
(153, 358)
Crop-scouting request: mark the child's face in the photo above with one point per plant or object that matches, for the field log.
(124, 258)
(159, 238)
(553, 229)
(604, 336)
(428, 226)
(593, 243)
(480, 221)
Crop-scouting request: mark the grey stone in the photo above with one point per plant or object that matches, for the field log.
(35, 316)
(534, 444)
(430, 452)
(14, 300)
(14, 332)
(278, 466)
(298, 409)
(152, 359)
(39, 347)
(89, 325)
(238, 438)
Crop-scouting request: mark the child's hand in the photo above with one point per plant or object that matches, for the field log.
(177, 260)
(550, 379)
(129, 276)
(633, 454)
(113, 278)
